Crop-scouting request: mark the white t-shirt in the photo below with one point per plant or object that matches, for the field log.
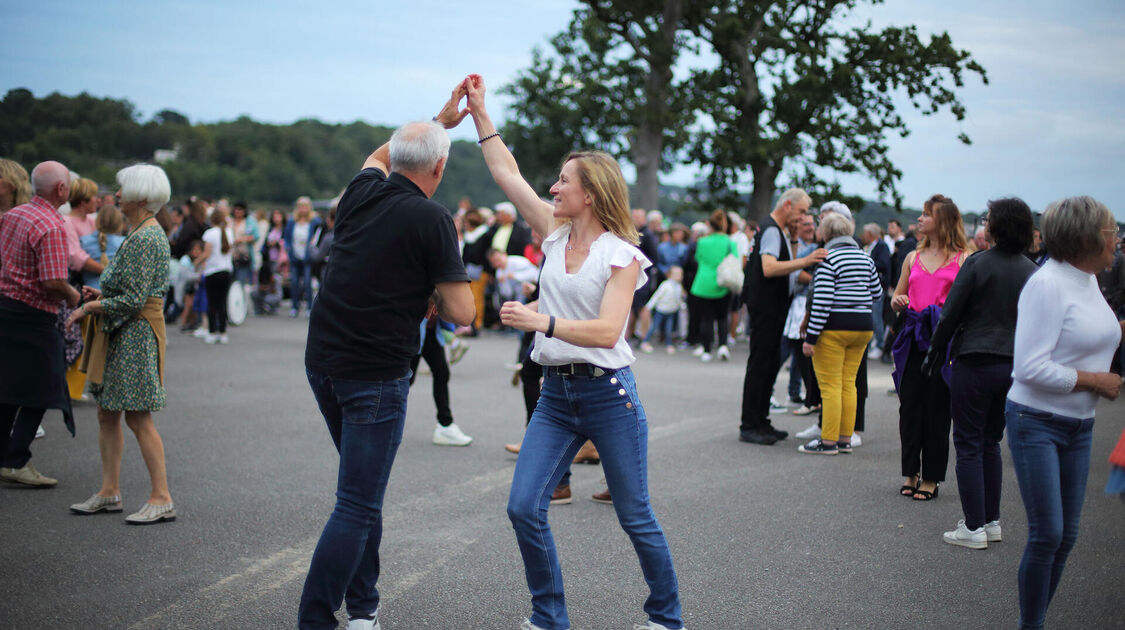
(218, 261)
(300, 240)
(742, 241)
(1064, 326)
(579, 296)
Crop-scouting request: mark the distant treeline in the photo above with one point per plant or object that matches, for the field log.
(240, 159)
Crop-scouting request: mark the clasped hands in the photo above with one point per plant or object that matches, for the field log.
(90, 295)
(471, 88)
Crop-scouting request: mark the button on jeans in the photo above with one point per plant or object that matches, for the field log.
(571, 410)
(1051, 456)
(365, 420)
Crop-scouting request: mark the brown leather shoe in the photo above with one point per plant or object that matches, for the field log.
(561, 495)
(513, 448)
(587, 454)
(602, 497)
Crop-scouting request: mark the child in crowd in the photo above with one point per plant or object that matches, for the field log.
(665, 306)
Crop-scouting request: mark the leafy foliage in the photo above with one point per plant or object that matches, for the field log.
(240, 159)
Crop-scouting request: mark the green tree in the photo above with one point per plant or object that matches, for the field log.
(608, 84)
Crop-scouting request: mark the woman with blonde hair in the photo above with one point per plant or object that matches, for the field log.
(591, 269)
(15, 186)
(298, 236)
(124, 357)
(924, 412)
(102, 245)
(217, 269)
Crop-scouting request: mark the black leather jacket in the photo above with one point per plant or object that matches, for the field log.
(980, 311)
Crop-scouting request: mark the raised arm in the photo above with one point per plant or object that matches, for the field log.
(502, 165)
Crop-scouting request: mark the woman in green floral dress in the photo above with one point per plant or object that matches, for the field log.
(125, 364)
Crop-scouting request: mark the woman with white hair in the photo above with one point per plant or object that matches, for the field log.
(1065, 338)
(125, 343)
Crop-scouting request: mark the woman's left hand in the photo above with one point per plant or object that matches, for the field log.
(78, 313)
(808, 349)
(521, 317)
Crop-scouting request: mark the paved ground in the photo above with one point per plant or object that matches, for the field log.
(762, 537)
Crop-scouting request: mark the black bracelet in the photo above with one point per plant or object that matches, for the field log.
(550, 327)
(481, 141)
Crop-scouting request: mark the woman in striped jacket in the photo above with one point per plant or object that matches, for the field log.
(844, 287)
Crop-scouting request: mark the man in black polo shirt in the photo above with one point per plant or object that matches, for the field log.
(393, 248)
(770, 274)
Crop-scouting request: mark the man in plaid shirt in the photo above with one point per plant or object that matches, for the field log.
(33, 281)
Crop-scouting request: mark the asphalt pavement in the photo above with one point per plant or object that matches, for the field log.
(762, 537)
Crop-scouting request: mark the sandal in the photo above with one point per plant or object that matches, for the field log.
(926, 495)
(908, 490)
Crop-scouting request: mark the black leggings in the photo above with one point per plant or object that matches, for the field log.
(712, 311)
(218, 286)
(434, 354)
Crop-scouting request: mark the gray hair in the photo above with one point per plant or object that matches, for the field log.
(46, 175)
(834, 224)
(418, 146)
(794, 196)
(838, 207)
(1072, 228)
(146, 184)
(873, 228)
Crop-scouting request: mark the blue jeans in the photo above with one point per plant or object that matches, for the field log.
(571, 410)
(665, 323)
(300, 282)
(1051, 456)
(365, 420)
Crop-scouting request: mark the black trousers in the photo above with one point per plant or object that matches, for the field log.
(218, 286)
(761, 368)
(978, 391)
(17, 429)
(530, 373)
(923, 421)
(693, 315)
(804, 367)
(434, 354)
(711, 312)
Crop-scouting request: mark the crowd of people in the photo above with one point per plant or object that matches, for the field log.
(1008, 329)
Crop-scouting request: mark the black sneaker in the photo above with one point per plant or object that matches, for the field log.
(816, 447)
(844, 447)
(755, 436)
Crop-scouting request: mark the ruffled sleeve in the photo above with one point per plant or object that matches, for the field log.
(624, 254)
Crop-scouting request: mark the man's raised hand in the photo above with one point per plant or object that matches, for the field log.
(451, 114)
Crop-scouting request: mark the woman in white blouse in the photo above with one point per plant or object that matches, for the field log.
(592, 268)
(1065, 338)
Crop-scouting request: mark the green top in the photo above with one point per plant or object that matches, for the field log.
(709, 252)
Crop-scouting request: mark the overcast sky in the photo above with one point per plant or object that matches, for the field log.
(1050, 124)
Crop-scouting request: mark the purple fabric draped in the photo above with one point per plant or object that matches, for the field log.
(918, 328)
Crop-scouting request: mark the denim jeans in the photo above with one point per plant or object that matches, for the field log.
(300, 282)
(571, 410)
(365, 420)
(665, 323)
(1051, 456)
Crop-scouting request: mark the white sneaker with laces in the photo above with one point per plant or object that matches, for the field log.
(965, 537)
(856, 440)
(450, 436)
(698, 352)
(705, 357)
(992, 529)
(811, 432)
(724, 353)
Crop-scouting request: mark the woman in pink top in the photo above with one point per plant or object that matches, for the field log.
(923, 412)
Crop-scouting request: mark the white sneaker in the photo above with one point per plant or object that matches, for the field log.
(856, 440)
(993, 531)
(875, 354)
(527, 625)
(39, 433)
(705, 357)
(724, 353)
(450, 436)
(209, 338)
(652, 625)
(646, 347)
(670, 349)
(776, 407)
(965, 537)
(811, 432)
(804, 410)
(698, 352)
(224, 339)
(200, 333)
(365, 624)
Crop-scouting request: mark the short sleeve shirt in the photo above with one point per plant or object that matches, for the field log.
(393, 245)
(218, 261)
(33, 249)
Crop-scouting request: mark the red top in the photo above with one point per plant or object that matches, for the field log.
(925, 288)
(32, 250)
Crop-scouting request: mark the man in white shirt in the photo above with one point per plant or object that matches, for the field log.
(511, 272)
